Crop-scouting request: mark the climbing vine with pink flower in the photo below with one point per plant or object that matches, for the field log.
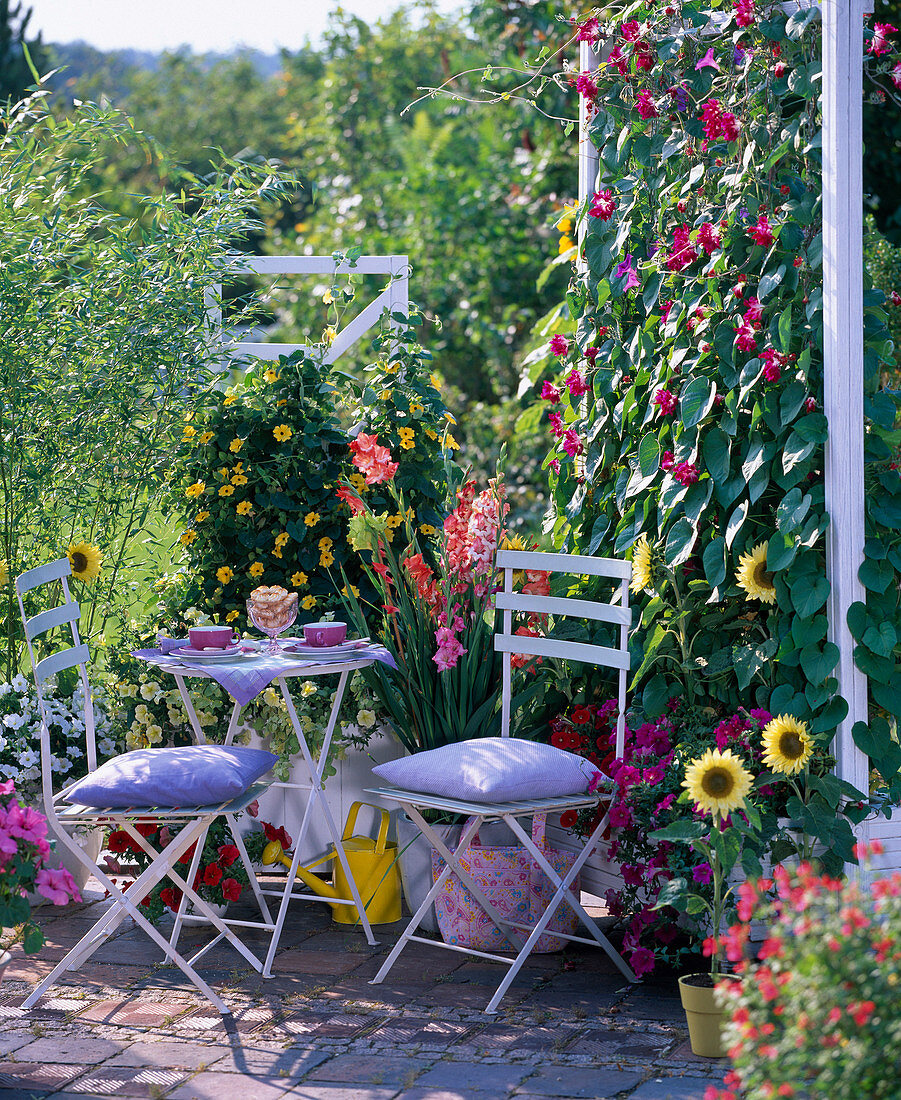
(686, 406)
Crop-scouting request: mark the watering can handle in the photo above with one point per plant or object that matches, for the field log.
(351, 822)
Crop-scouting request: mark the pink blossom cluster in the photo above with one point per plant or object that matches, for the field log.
(774, 363)
(879, 43)
(558, 345)
(745, 13)
(588, 30)
(556, 421)
(576, 383)
(585, 86)
(686, 473)
(718, 123)
(450, 648)
(681, 253)
(603, 205)
(666, 401)
(644, 104)
(762, 231)
(549, 392)
(572, 443)
(708, 238)
(24, 847)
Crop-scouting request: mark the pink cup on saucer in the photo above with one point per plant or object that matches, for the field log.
(211, 637)
(324, 634)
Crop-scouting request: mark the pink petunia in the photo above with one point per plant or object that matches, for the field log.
(549, 392)
(642, 960)
(26, 823)
(644, 104)
(708, 61)
(666, 401)
(576, 383)
(558, 345)
(603, 205)
(56, 885)
(572, 443)
(686, 473)
(879, 43)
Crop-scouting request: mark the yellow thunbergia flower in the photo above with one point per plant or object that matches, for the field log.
(230, 399)
(282, 538)
(223, 473)
(407, 438)
(244, 508)
(308, 603)
(226, 490)
(271, 375)
(257, 569)
(358, 482)
(435, 380)
(325, 543)
(299, 579)
(565, 224)
(4, 572)
(427, 529)
(238, 468)
(353, 589)
(329, 334)
(282, 401)
(187, 537)
(282, 432)
(195, 490)
(236, 445)
(201, 516)
(395, 521)
(385, 395)
(449, 418)
(326, 558)
(431, 434)
(565, 244)
(450, 443)
(231, 616)
(189, 432)
(206, 437)
(224, 574)
(416, 408)
(328, 298)
(239, 479)
(311, 519)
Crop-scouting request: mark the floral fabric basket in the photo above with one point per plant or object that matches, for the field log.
(514, 883)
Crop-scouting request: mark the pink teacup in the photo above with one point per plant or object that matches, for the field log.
(211, 637)
(324, 634)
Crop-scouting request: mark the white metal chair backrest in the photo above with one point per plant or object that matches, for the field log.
(616, 612)
(76, 656)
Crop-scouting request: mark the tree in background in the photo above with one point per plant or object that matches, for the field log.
(15, 75)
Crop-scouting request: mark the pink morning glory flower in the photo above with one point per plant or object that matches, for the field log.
(627, 271)
(708, 61)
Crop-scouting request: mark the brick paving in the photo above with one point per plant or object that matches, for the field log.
(127, 1026)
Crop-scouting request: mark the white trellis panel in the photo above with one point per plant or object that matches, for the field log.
(395, 296)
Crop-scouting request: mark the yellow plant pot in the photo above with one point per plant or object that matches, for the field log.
(704, 1018)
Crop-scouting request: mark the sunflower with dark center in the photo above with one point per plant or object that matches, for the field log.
(85, 560)
(787, 744)
(753, 577)
(717, 782)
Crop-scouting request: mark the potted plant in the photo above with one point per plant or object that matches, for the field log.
(718, 783)
(23, 851)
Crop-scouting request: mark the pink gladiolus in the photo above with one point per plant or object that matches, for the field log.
(879, 43)
(572, 444)
(644, 104)
(56, 885)
(549, 392)
(576, 383)
(372, 460)
(686, 473)
(762, 231)
(556, 421)
(666, 401)
(603, 205)
(558, 345)
(708, 61)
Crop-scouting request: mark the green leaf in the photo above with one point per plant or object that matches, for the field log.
(716, 449)
(796, 450)
(809, 594)
(714, 559)
(680, 541)
(817, 663)
(680, 830)
(785, 330)
(780, 552)
(649, 454)
(750, 659)
(770, 281)
(881, 639)
(696, 400)
(876, 575)
(657, 693)
(792, 398)
(736, 522)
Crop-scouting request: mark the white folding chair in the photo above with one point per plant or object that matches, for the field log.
(617, 613)
(188, 824)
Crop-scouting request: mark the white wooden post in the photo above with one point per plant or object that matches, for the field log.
(843, 352)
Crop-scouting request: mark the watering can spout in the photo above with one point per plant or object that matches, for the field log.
(274, 853)
(373, 865)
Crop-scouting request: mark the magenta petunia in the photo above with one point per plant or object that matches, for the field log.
(642, 961)
(702, 873)
(576, 383)
(708, 61)
(686, 473)
(603, 205)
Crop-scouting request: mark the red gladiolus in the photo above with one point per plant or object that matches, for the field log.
(350, 498)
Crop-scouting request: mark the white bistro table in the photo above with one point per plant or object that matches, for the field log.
(244, 678)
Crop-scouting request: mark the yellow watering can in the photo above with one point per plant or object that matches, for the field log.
(373, 865)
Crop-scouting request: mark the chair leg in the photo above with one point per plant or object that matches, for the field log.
(183, 900)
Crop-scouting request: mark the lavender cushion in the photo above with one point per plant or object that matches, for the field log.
(193, 775)
(492, 769)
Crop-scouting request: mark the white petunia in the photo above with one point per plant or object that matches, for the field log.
(14, 721)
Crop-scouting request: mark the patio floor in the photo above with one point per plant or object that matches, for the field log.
(126, 1026)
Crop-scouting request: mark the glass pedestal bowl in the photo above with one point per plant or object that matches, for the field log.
(272, 622)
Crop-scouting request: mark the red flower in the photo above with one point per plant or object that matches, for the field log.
(603, 205)
(879, 44)
(568, 819)
(556, 421)
(278, 834)
(708, 238)
(254, 808)
(642, 960)
(212, 874)
(686, 473)
(667, 461)
(170, 897)
(119, 842)
(576, 383)
(762, 232)
(644, 104)
(558, 345)
(581, 715)
(228, 853)
(666, 401)
(572, 444)
(186, 857)
(350, 497)
(585, 86)
(549, 392)
(630, 30)
(587, 30)
(231, 889)
(745, 15)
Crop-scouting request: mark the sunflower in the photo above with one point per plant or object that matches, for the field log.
(753, 577)
(717, 782)
(642, 576)
(85, 560)
(787, 744)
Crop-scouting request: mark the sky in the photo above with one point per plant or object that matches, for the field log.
(215, 25)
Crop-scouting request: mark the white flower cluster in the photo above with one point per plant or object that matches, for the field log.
(20, 732)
